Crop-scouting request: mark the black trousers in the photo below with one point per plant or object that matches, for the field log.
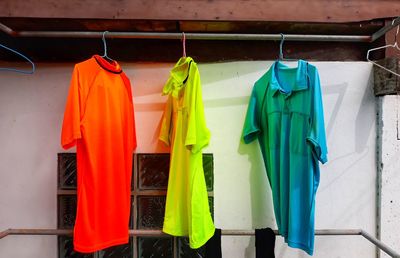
(213, 245)
(265, 243)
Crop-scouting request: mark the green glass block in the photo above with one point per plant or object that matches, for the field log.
(131, 213)
(153, 171)
(66, 249)
(151, 212)
(67, 171)
(184, 250)
(118, 251)
(66, 211)
(208, 167)
(211, 204)
(153, 247)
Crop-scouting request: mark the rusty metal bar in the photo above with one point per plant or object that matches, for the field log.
(4, 233)
(384, 30)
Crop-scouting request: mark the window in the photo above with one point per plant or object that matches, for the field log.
(149, 188)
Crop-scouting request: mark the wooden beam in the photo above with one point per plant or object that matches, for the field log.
(390, 39)
(238, 10)
(263, 27)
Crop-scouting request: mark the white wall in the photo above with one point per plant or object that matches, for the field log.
(31, 110)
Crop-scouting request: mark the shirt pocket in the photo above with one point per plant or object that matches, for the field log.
(274, 125)
(298, 133)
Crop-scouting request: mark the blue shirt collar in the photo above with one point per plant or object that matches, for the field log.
(301, 77)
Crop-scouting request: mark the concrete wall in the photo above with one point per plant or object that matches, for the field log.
(389, 168)
(31, 110)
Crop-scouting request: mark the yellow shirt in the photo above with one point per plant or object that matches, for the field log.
(183, 127)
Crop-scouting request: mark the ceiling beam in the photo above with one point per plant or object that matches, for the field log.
(224, 10)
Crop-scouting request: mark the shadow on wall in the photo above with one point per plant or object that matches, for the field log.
(236, 101)
(364, 121)
(217, 74)
(340, 90)
(260, 192)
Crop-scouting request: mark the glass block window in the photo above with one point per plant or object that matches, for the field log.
(150, 212)
(66, 249)
(67, 171)
(155, 247)
(66, 211)
(121, 251)
(153, 171)
(184, 250)
(148, 196)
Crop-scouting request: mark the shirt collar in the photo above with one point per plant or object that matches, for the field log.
(113, 67)
(178, 76)
(301, 77)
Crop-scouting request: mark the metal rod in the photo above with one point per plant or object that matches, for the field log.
(380, 244)
(193, 36)
(138, 232)
(4, 233)
(226, 232)
(385, 29)
(178, 35)
(320, 232)
(44, 232)
(63, 232)
(202, 36)
(7, 30)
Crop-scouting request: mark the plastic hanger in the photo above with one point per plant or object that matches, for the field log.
(281, 58)
(386, 46)
(18, 70)
(183, 44)
(105, 48)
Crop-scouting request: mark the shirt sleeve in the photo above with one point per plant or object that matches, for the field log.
(251, 126)
(71, 130)
(316, 135)
(198, 135)
(166, 123)
(132, 127)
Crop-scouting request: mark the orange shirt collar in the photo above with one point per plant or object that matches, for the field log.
(113, 67)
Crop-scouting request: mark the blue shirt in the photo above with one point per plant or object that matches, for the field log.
(285, 114)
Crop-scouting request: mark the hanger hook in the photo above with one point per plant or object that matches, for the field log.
(281, 46)
(104, 43)
(21, 55)
(184, 44)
